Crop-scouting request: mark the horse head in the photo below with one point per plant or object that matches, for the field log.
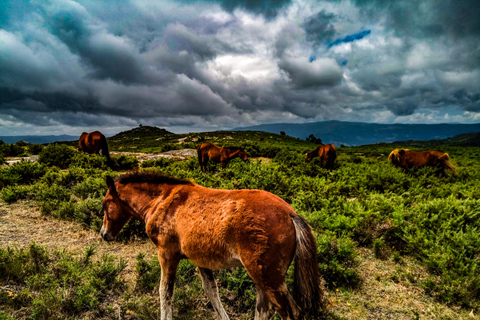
(396, 156)
(117, 212)
(243, 154)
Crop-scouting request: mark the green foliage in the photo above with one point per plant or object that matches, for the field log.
(336, 257)
(59, 155)
(11, 150)
(12, 194)
(363, 202)
(35, 148)
(160, 162)
(148, 273)
(124, 162)
(64, 286)
(89, 161)
(23, 172)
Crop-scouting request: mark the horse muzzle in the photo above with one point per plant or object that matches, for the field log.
(106, 235)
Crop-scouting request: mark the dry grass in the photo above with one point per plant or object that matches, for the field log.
(21, 223)
(389, 290)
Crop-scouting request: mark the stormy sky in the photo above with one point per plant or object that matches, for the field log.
(200, 65)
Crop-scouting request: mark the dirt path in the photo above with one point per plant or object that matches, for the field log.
(21, 223)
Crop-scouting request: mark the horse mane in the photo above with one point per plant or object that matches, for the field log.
(316, 149)
(150, 177)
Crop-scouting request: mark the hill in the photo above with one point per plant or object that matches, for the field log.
(359, 133)
(462, 140)
(38, 139)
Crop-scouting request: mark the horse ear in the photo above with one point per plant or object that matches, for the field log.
(110, 184)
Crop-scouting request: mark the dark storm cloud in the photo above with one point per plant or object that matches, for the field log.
(179, 38)
(228, 63)
(267, 8)
(102, 51)
(319, 28)
(427, 18)
(305, 74)
(470, 100)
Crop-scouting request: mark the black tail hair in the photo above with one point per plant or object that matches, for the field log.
(307, 290)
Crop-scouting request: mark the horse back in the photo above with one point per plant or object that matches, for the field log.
(422, 158)
(212, 151)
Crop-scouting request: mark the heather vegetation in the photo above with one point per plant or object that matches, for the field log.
(363, 203)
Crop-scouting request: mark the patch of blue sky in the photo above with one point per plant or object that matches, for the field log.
(350, 38)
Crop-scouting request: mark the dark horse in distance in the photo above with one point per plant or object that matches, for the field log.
(94, 142)
(218, 229)
(209, 151)
(327, 154)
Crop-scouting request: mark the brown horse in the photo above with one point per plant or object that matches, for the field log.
(217, 154)
(406, 159)
(93, 142)
(218, 229)
(327, 154)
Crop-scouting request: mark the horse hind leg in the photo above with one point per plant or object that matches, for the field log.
(272, 291)
(264, 309)
(282, 302)
(210, 288)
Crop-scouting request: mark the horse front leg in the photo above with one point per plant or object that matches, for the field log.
(210, 288)
(167, 283)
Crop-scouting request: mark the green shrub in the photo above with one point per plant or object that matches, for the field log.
(12, 194)
(88, 212)
(59, 155)
(23, 172)
(124, 162)
(148, 273)
(89, 161)
(11, 150)
(160, 162)
(336, 257)
(35, 148)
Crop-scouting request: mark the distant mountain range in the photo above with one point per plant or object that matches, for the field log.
(360, 133)
(336, 132)
(38, 139)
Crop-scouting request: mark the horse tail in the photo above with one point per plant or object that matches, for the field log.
(445, 163)
(306, 283)
(104, 146)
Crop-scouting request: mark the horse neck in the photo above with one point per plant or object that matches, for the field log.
(233, 153)
(139, 198)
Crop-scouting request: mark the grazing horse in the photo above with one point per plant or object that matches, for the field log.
(93, 142)
(217, 154)
(327, 154)
(218, 229)
(406, 159)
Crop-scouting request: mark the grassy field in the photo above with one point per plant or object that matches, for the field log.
(391, 244)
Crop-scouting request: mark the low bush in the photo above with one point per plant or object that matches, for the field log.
(11, 150)
(59, 155)
(35, 148)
